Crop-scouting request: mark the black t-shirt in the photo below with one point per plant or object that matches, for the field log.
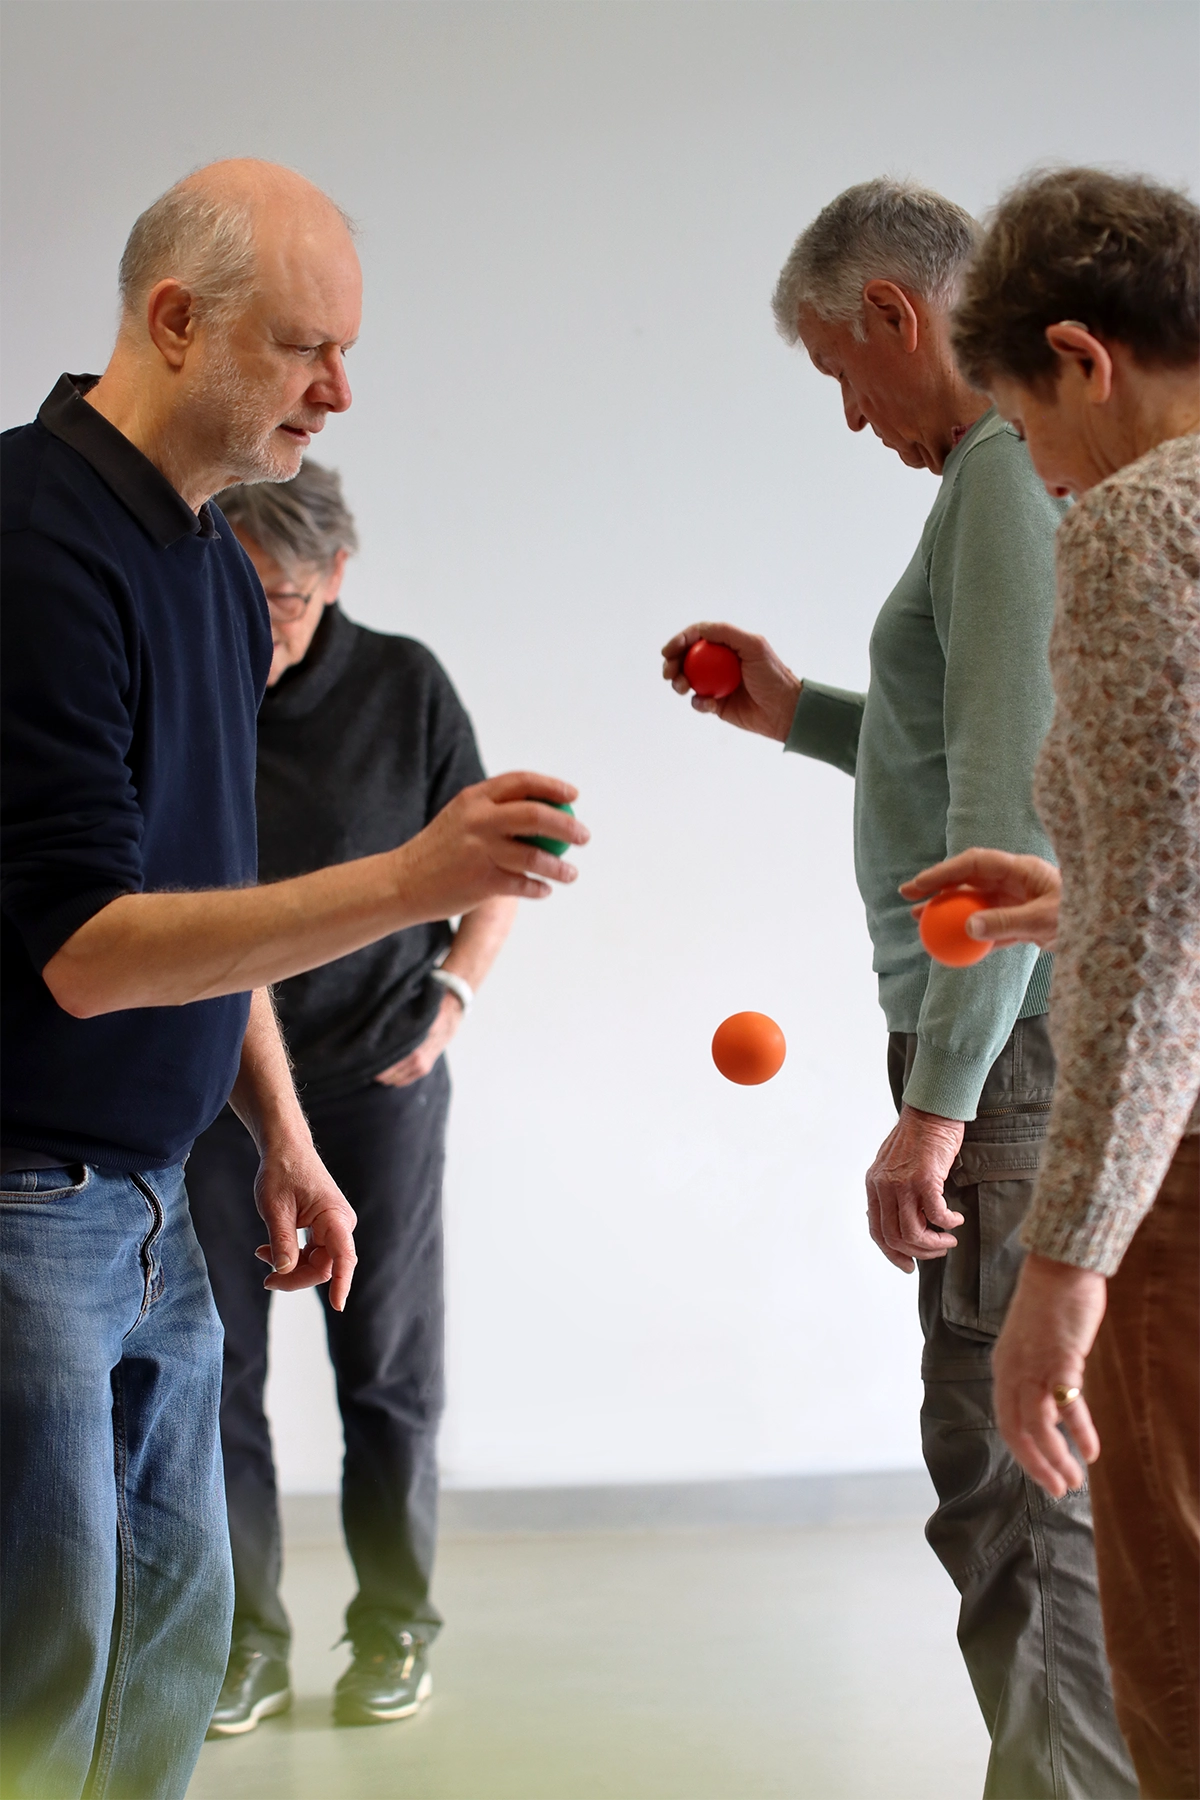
(359, 746)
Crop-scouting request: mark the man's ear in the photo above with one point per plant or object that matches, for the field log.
(171, 320)
(893, 310)
(1077, 349)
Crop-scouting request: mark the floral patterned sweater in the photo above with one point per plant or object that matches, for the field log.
(1118, 788)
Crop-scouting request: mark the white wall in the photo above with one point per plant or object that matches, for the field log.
(574, 431)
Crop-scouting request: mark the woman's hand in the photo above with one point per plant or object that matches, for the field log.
(766, 700)
(1050, 1328)
(1023, 894)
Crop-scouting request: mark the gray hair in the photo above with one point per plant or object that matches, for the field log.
(207, 244)
(885, 230)
(301, 521)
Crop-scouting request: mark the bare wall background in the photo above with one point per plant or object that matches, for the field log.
(575, 430)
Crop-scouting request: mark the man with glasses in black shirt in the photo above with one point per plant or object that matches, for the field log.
(361, 741)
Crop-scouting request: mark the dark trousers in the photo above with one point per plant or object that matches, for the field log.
(1029, 1622)
(384, 1147)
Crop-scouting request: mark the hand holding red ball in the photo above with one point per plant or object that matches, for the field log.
(714, 670)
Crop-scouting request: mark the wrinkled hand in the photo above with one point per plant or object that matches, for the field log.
(766, 700)
(471, 851)
(295, 1192)
(906, 1208)
(417, 1064)
(1022, 892)
(1051, 1326)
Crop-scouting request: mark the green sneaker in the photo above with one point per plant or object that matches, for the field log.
(384, 1684)
(255, 1687)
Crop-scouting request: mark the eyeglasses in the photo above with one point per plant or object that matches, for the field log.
(288, 604)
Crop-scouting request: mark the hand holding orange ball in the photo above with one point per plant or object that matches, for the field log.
(943, 927)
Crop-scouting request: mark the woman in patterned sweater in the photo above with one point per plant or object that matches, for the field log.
(1081, 317)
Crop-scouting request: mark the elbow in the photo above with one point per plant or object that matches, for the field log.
(71, 990)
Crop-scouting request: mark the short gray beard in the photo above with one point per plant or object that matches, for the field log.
(242, 436)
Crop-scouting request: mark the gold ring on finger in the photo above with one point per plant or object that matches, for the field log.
(1064, 1396)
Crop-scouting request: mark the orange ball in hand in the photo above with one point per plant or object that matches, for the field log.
(748, 1048)
(943, 930)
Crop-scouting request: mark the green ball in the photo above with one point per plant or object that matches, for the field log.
(552, 845)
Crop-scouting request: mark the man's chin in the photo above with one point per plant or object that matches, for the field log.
(278, 459)
(288, 455)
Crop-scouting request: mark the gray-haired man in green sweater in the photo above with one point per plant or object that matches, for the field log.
(941, 749)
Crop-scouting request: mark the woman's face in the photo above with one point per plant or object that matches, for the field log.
(296, 600)
(1064, 434)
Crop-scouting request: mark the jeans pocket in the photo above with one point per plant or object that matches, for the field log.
(995, 1187)
(33, 1187)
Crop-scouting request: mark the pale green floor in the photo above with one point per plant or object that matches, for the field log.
(811, 1664)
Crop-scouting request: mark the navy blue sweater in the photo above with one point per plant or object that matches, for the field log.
(136, 646)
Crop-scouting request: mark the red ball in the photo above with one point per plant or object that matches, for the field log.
(748, 1048)
(714, 670)
(943, 928)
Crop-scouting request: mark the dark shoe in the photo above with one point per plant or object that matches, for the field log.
(383, 1684)
(255, 1687)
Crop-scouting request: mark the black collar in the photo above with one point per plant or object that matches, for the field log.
(301, 689)
(133, 478)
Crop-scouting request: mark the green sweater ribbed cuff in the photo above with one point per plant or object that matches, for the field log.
(1037, 994)
(826, 724)
(944, 1083)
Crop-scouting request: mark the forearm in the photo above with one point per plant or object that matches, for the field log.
(171, 949)
(826, 724)
(264, 1095)
(966, 1018)
(479, 940)
(1129, 1073)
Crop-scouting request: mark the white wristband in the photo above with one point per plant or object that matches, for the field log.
(462, 990)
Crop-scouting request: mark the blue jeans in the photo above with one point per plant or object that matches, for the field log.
(117, 1585)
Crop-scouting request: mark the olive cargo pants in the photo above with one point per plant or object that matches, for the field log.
(1029, 1624)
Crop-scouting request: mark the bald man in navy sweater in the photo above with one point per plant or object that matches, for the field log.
(137, 956)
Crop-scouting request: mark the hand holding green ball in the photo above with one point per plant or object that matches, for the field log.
(551, 845)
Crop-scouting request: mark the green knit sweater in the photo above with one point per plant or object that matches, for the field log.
(942, 748)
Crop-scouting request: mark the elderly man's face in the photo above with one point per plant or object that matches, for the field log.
(266, 381)
(893, 380)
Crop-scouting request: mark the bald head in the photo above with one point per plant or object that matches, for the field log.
(213, 231)
(241, 295)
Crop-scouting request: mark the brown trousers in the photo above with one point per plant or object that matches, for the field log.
(1143, 1387)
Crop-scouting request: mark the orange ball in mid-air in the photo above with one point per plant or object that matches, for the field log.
(943, 930)
(748, 1048)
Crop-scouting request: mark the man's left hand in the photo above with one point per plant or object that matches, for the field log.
(295, 1192)
(417, 1064)
(906, 1206)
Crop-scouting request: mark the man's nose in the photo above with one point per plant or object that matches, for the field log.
(332, 388)
(856, 419)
